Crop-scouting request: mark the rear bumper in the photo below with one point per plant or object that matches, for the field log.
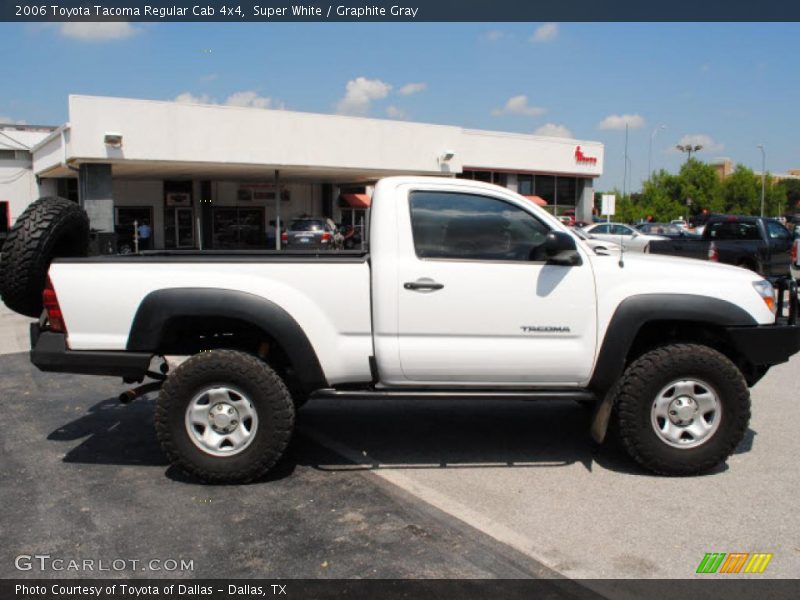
(49, 353)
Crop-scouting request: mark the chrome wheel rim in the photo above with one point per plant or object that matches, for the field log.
(686, 413)
(221, 421)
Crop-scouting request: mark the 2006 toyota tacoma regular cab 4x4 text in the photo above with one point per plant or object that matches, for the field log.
(468, 290)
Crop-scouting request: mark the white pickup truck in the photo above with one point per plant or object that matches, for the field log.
(468, 290)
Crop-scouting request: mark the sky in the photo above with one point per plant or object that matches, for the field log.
(728, 87)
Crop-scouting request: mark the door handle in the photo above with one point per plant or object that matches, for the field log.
(423, 285)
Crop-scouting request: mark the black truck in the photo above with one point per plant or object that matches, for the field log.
(760, 244)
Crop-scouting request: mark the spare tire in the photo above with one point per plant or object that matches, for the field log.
(49, 228)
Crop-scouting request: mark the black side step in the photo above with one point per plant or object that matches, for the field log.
(579, 395)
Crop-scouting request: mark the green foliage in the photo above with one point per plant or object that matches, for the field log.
(696, 187)
(742, 192)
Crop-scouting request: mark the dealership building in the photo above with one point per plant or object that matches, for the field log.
(219, 177)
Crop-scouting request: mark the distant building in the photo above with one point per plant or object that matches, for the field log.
(18, 184)
(724, 167)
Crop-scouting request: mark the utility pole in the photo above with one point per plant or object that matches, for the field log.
(650, 152)
(763, 175)
(277, 209)
(625, 172)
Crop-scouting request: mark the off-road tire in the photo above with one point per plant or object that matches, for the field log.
(49, 228)
(639, 386)
(265, 389)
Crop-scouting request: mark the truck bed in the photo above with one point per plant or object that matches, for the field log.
(327, 294)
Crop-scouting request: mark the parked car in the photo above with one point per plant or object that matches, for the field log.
(599, 246)
(621, 234)
(759, 244)
(308, 233)
(667, 230)
(469, 291)
(568, 220)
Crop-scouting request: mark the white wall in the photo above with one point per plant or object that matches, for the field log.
(518, 152)
(17, 186)
(169, 131)
(159, 131)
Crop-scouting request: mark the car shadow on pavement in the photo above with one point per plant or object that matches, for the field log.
(362, 436)
(460, 434)
(115, 434)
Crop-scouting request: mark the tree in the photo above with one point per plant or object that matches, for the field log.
(699, 183)
(741, 192)
(789, 191)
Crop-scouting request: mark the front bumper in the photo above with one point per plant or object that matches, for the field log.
(49, 353)
(766, 345)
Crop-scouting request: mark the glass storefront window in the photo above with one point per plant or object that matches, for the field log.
(525, 184)
(546, 188)
(126, 216)
(566, 191)
(238, 228)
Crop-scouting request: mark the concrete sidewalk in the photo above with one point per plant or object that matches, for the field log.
(14, 335)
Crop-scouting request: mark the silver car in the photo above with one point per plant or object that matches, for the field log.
(624, 235)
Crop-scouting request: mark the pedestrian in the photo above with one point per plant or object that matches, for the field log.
(144, 235)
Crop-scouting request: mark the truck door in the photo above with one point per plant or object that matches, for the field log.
(476, 301)
(779, 241)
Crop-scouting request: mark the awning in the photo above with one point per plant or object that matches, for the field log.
(357, 200)
(538, 200)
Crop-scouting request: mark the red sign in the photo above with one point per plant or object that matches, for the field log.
(582, 158)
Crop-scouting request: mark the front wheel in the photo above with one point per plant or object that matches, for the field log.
(224, 416)
(682, 409)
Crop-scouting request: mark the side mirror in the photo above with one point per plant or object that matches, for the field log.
(560, 249)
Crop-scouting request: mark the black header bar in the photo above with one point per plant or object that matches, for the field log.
(400, 10)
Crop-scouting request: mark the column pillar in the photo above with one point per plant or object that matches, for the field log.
(95, 192)
(583, 211)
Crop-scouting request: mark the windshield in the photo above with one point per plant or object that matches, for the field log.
(307, 225)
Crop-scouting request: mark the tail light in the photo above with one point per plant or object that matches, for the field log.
(284, 237)
(713, 255)
(794, 251)
(326, 237)
(50, 302)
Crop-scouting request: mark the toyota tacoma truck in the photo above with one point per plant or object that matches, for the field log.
(468, 290)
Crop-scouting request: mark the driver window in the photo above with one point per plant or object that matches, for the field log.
(620, 230)
(473, 227)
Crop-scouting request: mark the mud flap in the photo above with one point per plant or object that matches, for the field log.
(601, 418)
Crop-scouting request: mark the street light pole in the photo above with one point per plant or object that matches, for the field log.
(650, 152)
(763, 176)
(625, 172)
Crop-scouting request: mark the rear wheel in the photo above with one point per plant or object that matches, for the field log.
(224, 416)
(682, 409)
